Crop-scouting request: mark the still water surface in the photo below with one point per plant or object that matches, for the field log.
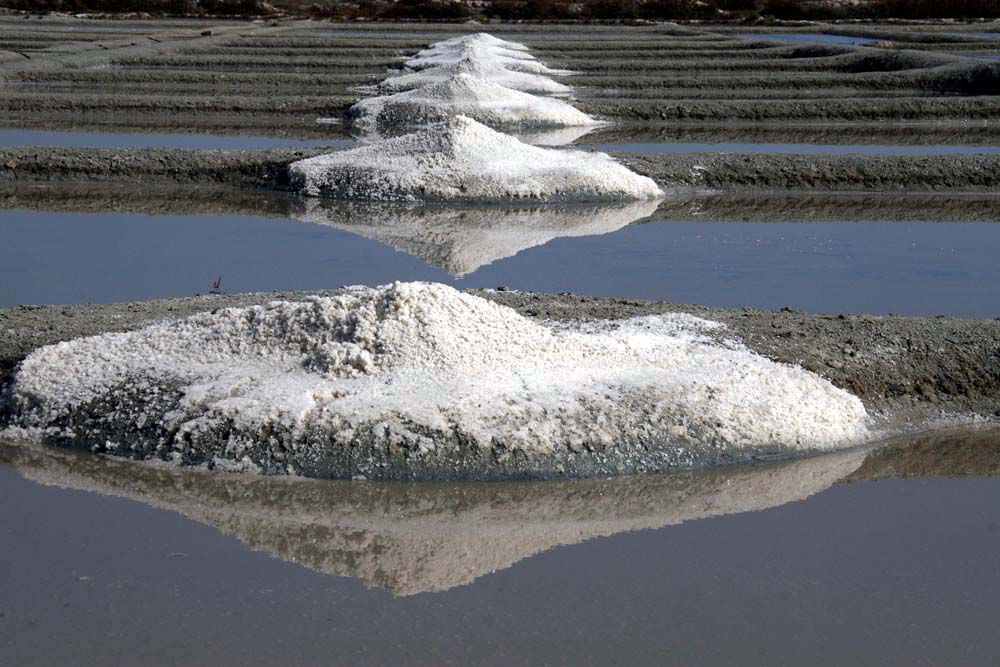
(928, 268)
(826, 561)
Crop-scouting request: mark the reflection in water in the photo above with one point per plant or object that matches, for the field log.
(461, 239)
(411, 538)
(542, 136)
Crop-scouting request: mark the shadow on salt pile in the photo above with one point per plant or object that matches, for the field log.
(417, 538)
(462, 239)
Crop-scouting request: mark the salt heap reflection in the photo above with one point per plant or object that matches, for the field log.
(462, 239)
(415, 538)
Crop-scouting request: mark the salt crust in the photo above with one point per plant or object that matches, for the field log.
(424, 362)
(462, 160)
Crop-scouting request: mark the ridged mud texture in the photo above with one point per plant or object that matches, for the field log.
(282, 76)
(724, 171)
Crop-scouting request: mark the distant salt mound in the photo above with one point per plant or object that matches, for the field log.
(466, 95)
(480, 38)
(417, 376)
(462, 239)
(462, 160)
(496, 73)
(514, 60)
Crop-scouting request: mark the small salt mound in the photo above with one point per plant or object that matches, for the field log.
(463, 94)
(462, 160)
(426, 370)
(461, 239)
(515, 80)
(482, 39)
(486, 55)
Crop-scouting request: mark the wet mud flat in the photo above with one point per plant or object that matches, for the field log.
(267, 168)
(909, 372)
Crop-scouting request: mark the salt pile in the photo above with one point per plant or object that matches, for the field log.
(417, 376)
(460, 91)
(463, 160)
(476, 51)
(491, 80)
(462, 239)
(469, 95)
(511, 79)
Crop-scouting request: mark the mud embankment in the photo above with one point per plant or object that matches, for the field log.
(723, 171)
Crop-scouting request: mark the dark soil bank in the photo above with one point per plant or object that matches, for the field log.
(268, 168)
(906, 370)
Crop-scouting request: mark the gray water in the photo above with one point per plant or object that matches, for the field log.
(805, 149)
(864, 573)
(10, 138)
(916, 268)
(806, 38)
(68, 139)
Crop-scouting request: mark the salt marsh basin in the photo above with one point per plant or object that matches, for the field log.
(829, 205)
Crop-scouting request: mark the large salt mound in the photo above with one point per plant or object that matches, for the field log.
(418, 379)
(462, 160)
(461, 239)
(464, 94)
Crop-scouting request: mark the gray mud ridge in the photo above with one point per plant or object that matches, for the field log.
(294, 71)
(907, 370)
(268, 169)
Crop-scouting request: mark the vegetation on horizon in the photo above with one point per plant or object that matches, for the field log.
(533, 10)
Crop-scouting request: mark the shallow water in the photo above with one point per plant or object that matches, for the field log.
(805, 38)
(928, 268)
(10, 138)
(805, 149)
(831, 560)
